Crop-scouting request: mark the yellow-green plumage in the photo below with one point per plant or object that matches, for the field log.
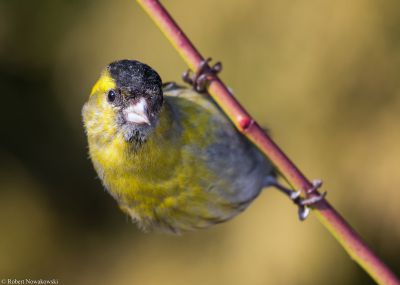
(193, 170)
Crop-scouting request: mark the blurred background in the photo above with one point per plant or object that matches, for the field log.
(322, 75)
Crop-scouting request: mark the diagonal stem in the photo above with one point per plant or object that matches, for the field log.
(327, 215)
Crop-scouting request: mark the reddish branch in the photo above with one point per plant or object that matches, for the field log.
(329, 217)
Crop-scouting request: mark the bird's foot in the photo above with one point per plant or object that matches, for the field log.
(202, 77)
(304, 204)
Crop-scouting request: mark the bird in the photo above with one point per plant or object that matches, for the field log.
(168, 154)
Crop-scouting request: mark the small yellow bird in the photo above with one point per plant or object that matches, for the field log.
(168, 155)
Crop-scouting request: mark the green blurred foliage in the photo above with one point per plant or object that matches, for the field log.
(323, 76)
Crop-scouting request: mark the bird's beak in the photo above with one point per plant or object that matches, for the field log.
(137, 112)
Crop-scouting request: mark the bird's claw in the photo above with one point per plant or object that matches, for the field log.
(202, 77)
(316, 184)
(303, 213)
(305, 203)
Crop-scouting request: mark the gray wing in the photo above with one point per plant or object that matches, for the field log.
(240, 166)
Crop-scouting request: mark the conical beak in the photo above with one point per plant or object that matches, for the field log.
(136, 113)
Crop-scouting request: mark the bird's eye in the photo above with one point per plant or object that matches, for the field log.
(111, 96)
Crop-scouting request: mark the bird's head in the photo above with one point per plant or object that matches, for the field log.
(125, 100)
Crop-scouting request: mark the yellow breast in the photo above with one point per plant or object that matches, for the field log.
(164, 177)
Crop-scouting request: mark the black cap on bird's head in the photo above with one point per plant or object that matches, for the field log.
(136, 78)
(139, 95)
